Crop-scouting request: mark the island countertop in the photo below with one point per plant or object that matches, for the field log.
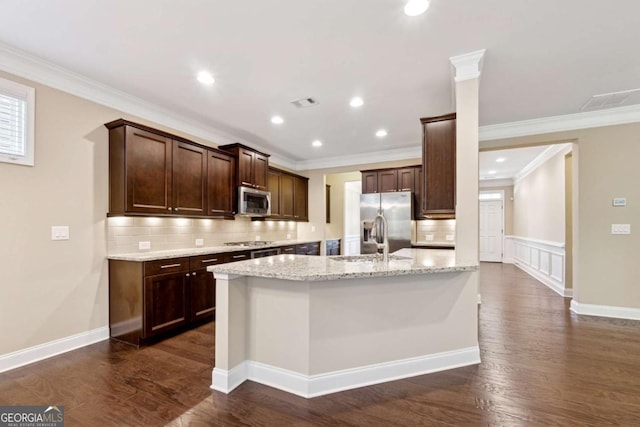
(315, 268)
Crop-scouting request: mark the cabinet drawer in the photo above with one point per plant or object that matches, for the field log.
(203, 261)
(162, 266)
(238, 256)
(289, 250)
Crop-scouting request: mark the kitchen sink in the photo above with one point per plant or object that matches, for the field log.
(366, 258)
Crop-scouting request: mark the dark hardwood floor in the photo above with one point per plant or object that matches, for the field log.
(541, 365)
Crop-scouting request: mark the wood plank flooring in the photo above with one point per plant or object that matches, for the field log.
(541, 365)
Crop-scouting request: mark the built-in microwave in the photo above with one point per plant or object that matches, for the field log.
(252, 202)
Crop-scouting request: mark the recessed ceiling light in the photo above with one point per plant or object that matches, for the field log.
(416, 7)
(205, 78)
(500, 159)
(277, 120)
(492, 172)
(356, 102)
(381, 133)
(317, 143)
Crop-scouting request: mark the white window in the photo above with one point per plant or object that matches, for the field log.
(17, 117)
(490, 196)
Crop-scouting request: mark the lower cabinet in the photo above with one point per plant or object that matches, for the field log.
(332, 247)
(312, 248)
(165, 302)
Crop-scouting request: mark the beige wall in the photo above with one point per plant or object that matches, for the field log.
(539, 200)
(606, 270)
(336, 228)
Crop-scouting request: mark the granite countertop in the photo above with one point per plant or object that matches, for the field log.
(314, 268)
(176, 253)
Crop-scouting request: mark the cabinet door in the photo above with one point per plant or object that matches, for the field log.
(260, 171)
(287, 195)
(313, 248)
(417, 194)
(439, 163)
(406, 179)
(165, 302)
(387, 181)
(189, 179)
(369, 182)
(273, 186)
(220, 184)
(202, 290)
(301, 199)
(288, 250)
(245, 167)
(302, 249)
(148, 172)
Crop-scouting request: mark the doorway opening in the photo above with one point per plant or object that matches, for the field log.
(491, 225)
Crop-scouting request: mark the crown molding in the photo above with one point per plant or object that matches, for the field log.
(501, 182)
(540, 160)
(469, 65)
(586, 120)
(361, 159)
(30, 67)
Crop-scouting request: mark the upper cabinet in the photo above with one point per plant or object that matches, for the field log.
(388, 180)
(439, 166)
(289, 195)
(252, 167)
(152, 172)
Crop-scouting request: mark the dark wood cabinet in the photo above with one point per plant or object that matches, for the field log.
(288, 250)
(202, 286)
(289, 195)
(369, 182)
(327, 203)
(301, 199)
(152, 172)
(439, 166)
(165, 301)
(189, 176)
(252, 167)
(388, 180)
(221, 194)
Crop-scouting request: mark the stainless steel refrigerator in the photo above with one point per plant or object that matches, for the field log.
(397, 209)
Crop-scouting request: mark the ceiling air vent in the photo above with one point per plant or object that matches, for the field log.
(304, 102)
(612, 100)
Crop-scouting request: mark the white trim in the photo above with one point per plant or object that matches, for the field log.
(586, 120)
(33, 68)
(543, 260)
(541, 159)
(469, 65)
(605, 311)
(332, 382)
(362, 159)
(53, 348)
(479, 299)
(28, 95)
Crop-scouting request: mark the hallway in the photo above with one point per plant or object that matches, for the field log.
(541, 365)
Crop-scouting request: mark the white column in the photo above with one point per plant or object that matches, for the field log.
(468, 68)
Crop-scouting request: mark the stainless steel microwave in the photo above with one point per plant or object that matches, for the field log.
(252, 202)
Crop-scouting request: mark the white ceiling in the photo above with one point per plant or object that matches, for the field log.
(514, 161)
(544, 58)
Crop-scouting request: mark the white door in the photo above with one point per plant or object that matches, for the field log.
(491, 230)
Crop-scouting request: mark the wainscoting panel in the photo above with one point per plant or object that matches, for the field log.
(541, 259)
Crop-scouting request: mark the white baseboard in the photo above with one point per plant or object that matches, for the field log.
(53, 348)
(317, 385)
(546, 280)
(605, 311)
(508, 260)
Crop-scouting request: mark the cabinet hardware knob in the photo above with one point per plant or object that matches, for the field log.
(187, 274)
(169, 208)
(176, 209)
(193, 274)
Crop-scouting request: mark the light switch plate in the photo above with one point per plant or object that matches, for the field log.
(620, 228)
(449, 237)
(288, 236)
(619, 201)
(60, 232)
(199, 242)
(144, 245)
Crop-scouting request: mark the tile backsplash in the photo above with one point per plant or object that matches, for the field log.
(435, 231)
(124, 233)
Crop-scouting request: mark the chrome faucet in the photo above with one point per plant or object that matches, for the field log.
(385, 231)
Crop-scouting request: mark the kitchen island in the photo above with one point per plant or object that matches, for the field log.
(317, 325)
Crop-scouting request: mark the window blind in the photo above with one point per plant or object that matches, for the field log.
(13, 124)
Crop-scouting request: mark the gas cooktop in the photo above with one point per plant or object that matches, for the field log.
(249, 243)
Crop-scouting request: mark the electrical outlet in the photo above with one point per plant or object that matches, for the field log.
(199, 242)
(620, 228)
(449, 237)
(428, 237)
(144, 245)
(313, 228)
(288, 236)
(257, 238)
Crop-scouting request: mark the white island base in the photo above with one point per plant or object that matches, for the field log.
(314, 337)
